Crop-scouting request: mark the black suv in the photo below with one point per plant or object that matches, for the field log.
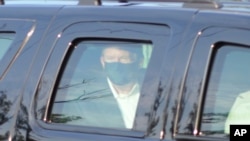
(128, 70)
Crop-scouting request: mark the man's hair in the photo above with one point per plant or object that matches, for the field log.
(135, 48)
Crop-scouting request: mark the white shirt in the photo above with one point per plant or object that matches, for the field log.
(127, 103)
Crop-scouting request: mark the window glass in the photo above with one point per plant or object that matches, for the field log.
(100, 83)
(5, 40)
(228, 85)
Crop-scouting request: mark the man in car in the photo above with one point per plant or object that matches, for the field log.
(122, 64)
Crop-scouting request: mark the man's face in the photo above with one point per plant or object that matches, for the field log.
(120, 65)
(114, 54)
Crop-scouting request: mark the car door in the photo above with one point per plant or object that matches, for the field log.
(81, 76)
(74, 75)
(217, 75)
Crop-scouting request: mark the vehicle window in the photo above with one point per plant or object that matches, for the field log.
(5, 40)
(228, 91)
(99, 85)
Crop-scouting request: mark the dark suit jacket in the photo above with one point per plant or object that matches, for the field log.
(101, 110)
(94, 105)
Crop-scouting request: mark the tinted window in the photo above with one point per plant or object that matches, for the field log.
(100, 83)
(228, 85)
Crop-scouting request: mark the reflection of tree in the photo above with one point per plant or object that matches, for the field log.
(214, 119)
(93, 94)
(75, 85)
(190, 124)
(211, 123)
(22, 118)
(189, 128)
(22, 124)
(4, 109)
(154, 118)
(60, 118)
(5, 136)
(184, 103)
(174, 111)
(88, 93)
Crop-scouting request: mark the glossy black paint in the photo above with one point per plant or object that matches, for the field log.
(171, 108)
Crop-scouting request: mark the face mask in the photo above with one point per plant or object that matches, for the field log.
(121, 73)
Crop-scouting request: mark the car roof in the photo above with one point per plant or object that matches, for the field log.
(226, 5)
